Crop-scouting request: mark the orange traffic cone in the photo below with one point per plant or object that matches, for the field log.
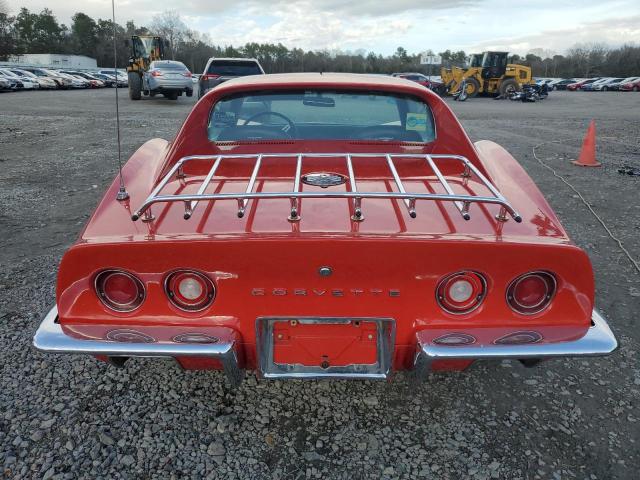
(587, 156)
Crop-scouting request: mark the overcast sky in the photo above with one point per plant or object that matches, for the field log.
(383, 25)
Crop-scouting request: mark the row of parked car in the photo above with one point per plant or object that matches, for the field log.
(30, 78)
(597, 84)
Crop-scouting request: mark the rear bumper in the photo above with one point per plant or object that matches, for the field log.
(170, 84)
(51, 338)
(598, 341)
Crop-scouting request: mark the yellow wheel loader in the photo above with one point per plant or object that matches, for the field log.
(488, 73)
(144, 50)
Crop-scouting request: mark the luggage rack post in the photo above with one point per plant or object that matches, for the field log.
(295, 201)
(357, 201)
(463, 209)
(189, 207)
(410, 203)
(242, 204)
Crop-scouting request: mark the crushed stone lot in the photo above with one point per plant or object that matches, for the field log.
(67, 417)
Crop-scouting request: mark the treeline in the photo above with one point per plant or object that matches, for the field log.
(28, 32)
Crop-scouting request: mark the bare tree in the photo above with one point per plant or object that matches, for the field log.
(169, 25)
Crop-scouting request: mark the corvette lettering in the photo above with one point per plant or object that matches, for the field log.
(333, 292)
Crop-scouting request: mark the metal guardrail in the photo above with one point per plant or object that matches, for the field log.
(461, 201)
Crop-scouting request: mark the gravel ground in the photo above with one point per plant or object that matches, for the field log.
(72, 417)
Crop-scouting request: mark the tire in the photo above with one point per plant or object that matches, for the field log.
(135, 86)
(473, 87)
(190, 92)
(508, 86)
(605, 89)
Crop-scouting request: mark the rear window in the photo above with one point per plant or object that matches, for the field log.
(234, 68)
(169, 65)
(321, 115)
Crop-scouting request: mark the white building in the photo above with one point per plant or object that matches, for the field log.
(54, 60)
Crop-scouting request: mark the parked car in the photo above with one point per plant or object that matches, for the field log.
(633, 85)
(26, 82)
(5, 84)
(121, 78)
(108, 80)
(76, 82)
(95, 82)
(43, 82)
(253, 240)
(14, 82)
(419, 78)
(219, 70)
(605, 85)
(616, 85)
(561, 83)
(168, 78)
(61, 82)
(582, 83)
(589, 87)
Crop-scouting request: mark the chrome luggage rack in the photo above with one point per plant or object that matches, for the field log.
(461, 201)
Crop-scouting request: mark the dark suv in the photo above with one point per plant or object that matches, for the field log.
(220, 70)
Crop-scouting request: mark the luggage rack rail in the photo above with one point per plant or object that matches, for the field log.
(461, 201)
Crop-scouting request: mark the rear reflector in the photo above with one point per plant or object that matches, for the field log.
(195, 338)
(126, 335)
(519, 338)
(453, 339)
(210, 76)
(531, 293)
(461, 292)
(119, 290)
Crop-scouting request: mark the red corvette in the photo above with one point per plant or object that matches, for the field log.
(311, 225)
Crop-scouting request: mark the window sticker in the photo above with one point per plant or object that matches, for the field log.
(417, 122)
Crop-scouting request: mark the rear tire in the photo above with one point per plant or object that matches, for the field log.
(135, 86)
(190, 93)
(508, 86)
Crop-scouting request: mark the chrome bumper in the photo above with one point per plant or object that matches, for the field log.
(51, 339)
(598, 341)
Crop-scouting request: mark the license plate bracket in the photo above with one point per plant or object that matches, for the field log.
(325, 347)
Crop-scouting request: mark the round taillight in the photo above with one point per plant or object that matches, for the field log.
(531, 293)
(461, 292)
(189, 290)
(119, 290)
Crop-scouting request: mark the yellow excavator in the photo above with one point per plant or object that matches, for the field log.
(144, 50)
(488, 73)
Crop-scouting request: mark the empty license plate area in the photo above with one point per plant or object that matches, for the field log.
(325, 347)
